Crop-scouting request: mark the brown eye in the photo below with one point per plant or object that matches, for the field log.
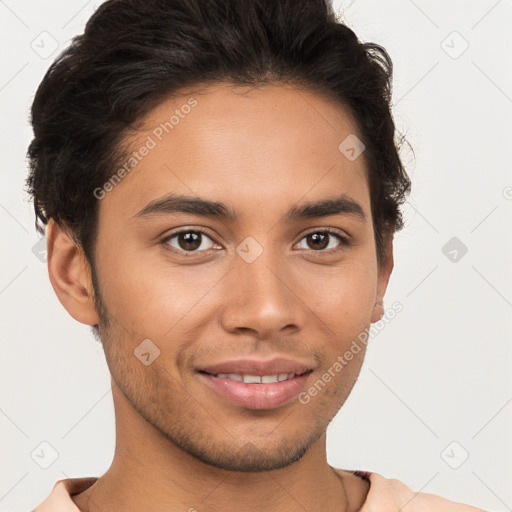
(322, 240)
(318, 240)
(189, 241)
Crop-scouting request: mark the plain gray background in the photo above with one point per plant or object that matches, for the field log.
(433, 404)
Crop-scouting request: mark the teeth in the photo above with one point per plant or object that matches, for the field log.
(252, 379)
(256, 379)
(234, 376)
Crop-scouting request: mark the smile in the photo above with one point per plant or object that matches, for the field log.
(256, 391)
(256, 379)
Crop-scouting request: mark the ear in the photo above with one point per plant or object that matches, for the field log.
(70, 274)
(384, 272)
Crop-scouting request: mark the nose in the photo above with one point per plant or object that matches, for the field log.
(263, 297)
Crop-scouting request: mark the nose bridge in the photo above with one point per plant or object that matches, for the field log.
(260, 296)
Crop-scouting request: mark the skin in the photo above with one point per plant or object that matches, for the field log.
(259, 151)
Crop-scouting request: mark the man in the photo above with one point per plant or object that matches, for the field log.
(221, 184)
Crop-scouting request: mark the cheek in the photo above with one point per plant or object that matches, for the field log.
(344, 296)
(149, 295)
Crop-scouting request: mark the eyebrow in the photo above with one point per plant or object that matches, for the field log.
(173, 203)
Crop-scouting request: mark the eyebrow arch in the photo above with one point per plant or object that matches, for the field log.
(173, 203)
(343, 204)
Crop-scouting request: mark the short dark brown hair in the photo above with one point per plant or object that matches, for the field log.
(134, 54)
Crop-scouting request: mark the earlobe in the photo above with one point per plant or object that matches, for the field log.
(378, 310)
(70, 274)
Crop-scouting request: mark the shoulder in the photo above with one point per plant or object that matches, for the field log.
(392, 495)
(60, 500)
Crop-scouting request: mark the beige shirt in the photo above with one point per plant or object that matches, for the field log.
(385, 495)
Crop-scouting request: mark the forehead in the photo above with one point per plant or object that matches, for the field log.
(250, 147)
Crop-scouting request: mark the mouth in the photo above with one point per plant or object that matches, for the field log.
(256, 385)
(257, 379)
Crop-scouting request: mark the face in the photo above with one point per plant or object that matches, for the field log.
(261, 285)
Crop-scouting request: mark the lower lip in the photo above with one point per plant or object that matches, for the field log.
(256, 396)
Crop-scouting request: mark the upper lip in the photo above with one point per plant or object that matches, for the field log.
(257, 367)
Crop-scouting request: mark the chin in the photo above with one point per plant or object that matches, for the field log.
(249, 457)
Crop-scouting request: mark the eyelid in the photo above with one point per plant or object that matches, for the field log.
(188, 229)
(332, 231)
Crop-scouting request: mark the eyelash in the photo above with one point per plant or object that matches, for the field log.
(344, 241)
